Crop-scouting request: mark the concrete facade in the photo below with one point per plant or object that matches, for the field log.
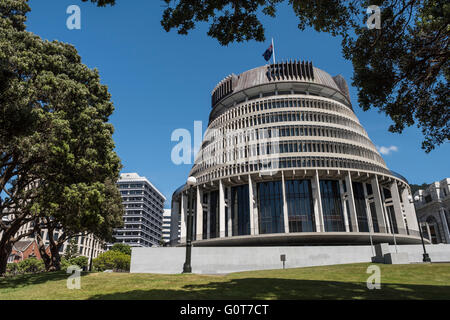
(214, 260)
(433, 211)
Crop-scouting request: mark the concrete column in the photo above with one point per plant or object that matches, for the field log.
(230, 221)
(208, 218)
(221, 210)
(378, 205)
(317, 202)
(444, 224)
(254, 221)
(386, 213)
(351, 202)
(397, 208)
(344, 206)
(184, 208)
(368, 212)
(409, 211)
(285, 207)
(199, 214)
(174, 221)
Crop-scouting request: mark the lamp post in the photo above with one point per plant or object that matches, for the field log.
(426, 257)
(187, 268)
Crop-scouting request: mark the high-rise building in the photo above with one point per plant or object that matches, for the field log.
(285, 161)
(143, 216)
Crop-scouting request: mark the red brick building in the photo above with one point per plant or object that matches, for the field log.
(25, 249)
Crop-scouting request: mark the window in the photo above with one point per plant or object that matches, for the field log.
(300, 206)
(270, 205)
(331, 206)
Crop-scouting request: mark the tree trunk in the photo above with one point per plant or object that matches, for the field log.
(5, 251)
(45, 257)
(56, 258)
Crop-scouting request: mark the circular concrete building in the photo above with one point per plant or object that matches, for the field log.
(285, 161)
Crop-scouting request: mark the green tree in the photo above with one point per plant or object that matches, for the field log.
(401, 69)
(112, 260)
(124, 248)
(71, 249)
(58, 166)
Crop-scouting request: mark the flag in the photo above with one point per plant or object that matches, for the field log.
(268, 53)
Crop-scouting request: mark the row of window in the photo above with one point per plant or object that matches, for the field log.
(277, 103)
(300, 208)
(149, 190)
(297, 146)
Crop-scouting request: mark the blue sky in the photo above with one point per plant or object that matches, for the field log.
(162, 81)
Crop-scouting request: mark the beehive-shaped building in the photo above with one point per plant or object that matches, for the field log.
(285, 161)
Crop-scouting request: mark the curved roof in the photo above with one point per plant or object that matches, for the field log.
(298, 71)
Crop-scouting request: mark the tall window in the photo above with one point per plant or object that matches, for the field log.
(360, 204)
(270, 203)
(373, 213)
(300, 206)
(392, 220)
(331, 206)
(240, 210)
(214, 214)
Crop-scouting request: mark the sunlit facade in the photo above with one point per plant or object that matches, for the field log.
(285, 161)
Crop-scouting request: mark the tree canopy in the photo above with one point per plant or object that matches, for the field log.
(58, 166)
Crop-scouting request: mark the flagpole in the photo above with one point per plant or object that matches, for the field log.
(273, 48)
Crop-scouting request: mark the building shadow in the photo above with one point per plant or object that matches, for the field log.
(284, 289)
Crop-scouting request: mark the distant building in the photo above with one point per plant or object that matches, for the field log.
(433, 211)
(143, 216)
(166, 225)
(88, 245)
(25, 249)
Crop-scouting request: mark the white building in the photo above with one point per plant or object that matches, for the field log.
(433, 211)
(144, 207)
(166, 225)
(285, 161)
(88, 245)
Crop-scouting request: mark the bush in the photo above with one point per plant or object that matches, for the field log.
(80, 261)
(124, 248)
(112, 260)
(12, 269)
(31, 265)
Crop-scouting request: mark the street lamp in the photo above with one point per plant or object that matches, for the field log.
(426, 257)
(191, 181)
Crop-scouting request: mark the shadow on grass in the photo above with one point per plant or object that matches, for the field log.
(33, 279)
(259, 288)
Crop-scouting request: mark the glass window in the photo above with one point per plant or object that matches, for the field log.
(300, 206)
(270, 202)
(360, 204)
(331, 206)
(240, 210)
(214, 214)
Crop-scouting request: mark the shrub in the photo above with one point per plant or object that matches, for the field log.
(112, 260)
(12, 269)
(31, 265)
(80, 261)
(124, 248)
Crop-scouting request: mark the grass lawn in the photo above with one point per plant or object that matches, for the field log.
(415, 281)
